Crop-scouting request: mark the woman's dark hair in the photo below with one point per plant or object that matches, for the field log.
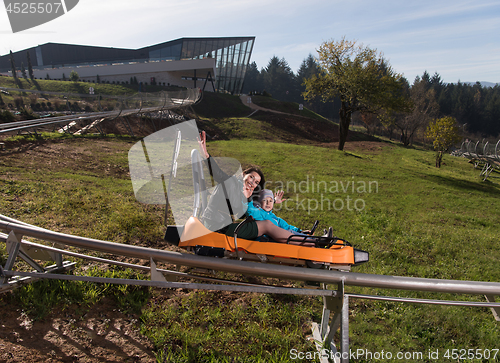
(262, 182)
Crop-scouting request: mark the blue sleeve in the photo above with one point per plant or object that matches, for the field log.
(261, 215)
(257, 213)
(283, 224)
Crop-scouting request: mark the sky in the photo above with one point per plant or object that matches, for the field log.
(458, 39)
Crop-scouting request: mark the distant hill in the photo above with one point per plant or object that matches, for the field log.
(484, 84)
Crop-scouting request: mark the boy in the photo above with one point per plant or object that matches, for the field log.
(263, 210)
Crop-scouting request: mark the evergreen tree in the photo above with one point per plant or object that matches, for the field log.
(279, 80)
(23, 71)
(437, 84)
(253, 80)
(492, 111)
(309, 68)
(427, 79)
(13, 66)
(30, 67)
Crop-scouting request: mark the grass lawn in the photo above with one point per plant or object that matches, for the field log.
(414, 219)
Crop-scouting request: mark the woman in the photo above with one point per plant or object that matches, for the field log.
(231, 197)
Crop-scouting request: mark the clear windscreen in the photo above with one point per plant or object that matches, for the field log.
(167, 168)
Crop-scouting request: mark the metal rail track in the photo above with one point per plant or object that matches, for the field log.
(336, 302)
(482, 154)
(140, 103)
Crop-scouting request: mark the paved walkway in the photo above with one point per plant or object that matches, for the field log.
(245, 99)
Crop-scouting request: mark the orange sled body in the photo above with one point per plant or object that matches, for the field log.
(195, 236)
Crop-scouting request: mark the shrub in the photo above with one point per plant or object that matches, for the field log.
(19, 102)
(6, 116)
(27, 114)
(74, 76)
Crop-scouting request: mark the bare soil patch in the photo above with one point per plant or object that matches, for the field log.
(103, 334)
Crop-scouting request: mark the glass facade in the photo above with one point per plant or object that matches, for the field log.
(232, 56)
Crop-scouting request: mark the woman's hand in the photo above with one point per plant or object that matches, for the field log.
(278, 197)
(202, 141)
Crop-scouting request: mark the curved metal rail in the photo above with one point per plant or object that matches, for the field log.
(482, 154)
(336, 303)
(253, 268)
(109, 107)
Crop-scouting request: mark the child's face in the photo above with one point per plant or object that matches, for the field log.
(267, 204)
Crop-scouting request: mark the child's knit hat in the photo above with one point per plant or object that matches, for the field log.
(265, 193)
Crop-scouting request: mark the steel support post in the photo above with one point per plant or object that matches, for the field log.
(152, 121)
(15, 249)
(323, 335)
(344, 331)
(494, 310)
(13, 246)
(127, 124)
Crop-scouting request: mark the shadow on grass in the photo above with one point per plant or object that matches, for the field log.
(483, 186)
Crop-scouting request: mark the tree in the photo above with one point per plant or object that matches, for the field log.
(252, 80)
(13, 66)
(309, 68)
(424, 108)
(23, 71)
(360, 77)
(370, 121)
(279, 80)
(444, 133)
(73, 76)
(30, 67)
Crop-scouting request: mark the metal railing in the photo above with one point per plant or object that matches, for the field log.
(336, 302)
(87, 108)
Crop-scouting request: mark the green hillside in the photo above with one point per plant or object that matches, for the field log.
(414, 219)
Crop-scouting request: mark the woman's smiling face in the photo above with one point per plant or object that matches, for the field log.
(250, 182)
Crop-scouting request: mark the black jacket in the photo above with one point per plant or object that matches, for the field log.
(226, 200)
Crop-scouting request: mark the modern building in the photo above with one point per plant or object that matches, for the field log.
(218, 64)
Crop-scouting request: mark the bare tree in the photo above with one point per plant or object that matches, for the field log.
(424, 108)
